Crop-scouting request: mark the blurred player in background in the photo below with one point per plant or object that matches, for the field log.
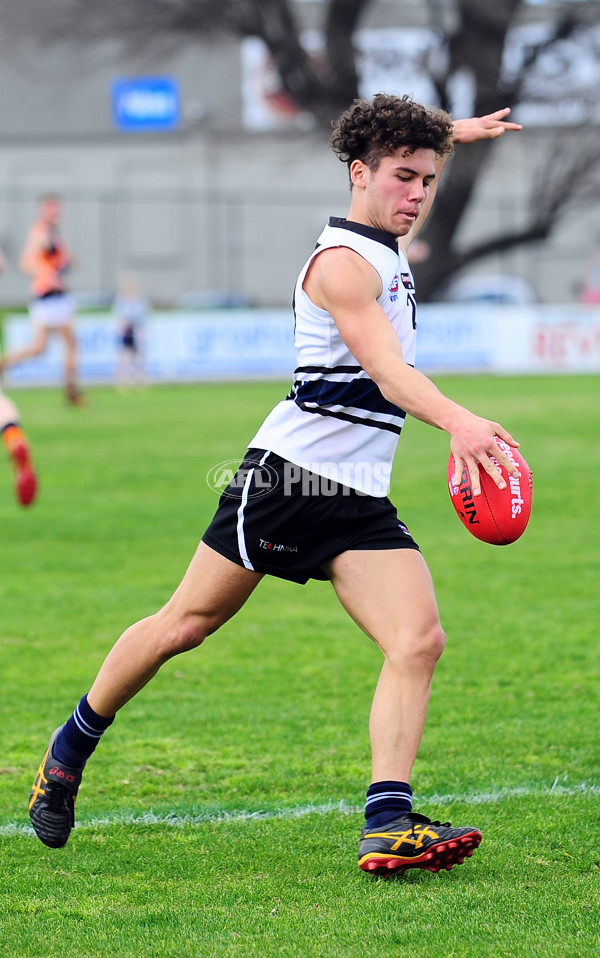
(46, 258)
(132, 310)
(16, 444)
(17, 447)
(310, 499)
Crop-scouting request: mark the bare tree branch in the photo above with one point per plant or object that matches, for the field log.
(477, 45)
(564, 27)
(342, 20)
(568, 177)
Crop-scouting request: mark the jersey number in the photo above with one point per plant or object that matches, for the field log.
(411, 301)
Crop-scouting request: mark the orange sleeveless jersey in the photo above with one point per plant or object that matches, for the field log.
(52, 259)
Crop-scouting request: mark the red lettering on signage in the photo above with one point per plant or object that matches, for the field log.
(566, 344)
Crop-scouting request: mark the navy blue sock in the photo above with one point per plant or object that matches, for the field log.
(78, 738)
(386, 801)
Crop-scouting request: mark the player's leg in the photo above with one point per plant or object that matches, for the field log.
(72, 391)
(139, 375)
(390, 595)
(36, 347)
(123, 368)
(212, 590)
(17, 446)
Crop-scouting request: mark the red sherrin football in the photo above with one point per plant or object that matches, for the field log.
(497, 516)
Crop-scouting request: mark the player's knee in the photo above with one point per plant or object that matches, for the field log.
(433, 642)
(182, 635)
(424, 646)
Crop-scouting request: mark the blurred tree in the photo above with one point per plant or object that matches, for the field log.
(471, 54)
(324, 89)
(473, 38)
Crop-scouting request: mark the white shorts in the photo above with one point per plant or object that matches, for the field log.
(55, 310)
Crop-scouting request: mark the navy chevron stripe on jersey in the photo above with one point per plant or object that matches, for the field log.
(322, 374)
(358, 393)
(327, 370)
(348, 417)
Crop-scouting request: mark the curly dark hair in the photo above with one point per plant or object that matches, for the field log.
(371, 129)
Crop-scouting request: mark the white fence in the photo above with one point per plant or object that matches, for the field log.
(232, 344)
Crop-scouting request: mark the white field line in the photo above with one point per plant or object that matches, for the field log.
(301, 811)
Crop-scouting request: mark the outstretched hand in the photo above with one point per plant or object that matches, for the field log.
(488, 127)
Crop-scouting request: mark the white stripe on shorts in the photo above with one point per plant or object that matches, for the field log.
(240, 523)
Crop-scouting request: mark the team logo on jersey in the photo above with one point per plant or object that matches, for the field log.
(393, 288)
(407, 281)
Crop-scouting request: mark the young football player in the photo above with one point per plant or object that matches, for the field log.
(310, 498)
(47, 260)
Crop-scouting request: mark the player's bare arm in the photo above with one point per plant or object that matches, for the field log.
(29, 260)
(343, 283)
(470, 130)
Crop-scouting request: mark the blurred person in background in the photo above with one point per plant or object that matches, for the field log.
(16, 444)
(131, 308)
(46, 259)
(17, 447)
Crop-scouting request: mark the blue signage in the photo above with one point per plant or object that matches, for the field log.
(143, 104)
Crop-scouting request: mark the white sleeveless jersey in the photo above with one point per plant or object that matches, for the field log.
(335, 421)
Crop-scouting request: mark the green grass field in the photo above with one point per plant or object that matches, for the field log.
(221, 813)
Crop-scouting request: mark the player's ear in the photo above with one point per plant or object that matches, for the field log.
(358, 174)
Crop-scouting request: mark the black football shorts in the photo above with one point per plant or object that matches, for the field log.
(277, 518)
